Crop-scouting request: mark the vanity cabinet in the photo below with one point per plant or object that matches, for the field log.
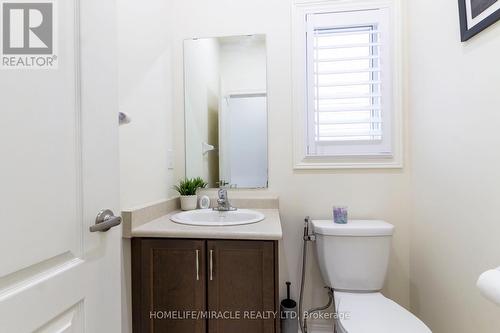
(168, 277)
(230, 284)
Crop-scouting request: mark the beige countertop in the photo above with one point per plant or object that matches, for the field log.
(154, 221)
(268, 229)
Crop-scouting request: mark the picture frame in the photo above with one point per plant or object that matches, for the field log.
(477, 15)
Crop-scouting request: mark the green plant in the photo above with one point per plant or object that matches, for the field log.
(189, 186)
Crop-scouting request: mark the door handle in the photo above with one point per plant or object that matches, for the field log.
(197, 265)
(105, 220)
(211, 265)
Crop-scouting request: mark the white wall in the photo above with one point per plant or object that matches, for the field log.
(243, 66)
(455, 114)
(145, 87)
(145, 93)
(379, 194)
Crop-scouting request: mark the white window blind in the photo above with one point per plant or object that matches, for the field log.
(349, 93)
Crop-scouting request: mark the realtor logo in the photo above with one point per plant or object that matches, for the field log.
(28, 34)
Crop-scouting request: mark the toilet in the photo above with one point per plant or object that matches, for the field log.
(353, 259)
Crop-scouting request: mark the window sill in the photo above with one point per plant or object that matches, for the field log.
(329, 163)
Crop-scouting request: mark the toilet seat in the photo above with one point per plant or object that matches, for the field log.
(374, 313)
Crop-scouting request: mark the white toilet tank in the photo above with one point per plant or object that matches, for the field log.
(353, 256)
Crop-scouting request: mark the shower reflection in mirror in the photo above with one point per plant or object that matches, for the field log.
(225, 92)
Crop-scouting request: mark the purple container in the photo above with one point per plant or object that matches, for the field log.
(340, 215)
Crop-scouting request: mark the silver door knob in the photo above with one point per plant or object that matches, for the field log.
(105, 220)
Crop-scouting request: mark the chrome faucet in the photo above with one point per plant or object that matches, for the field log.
(223, 204)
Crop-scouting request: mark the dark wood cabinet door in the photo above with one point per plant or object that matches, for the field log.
(241, 279)
(168, 277)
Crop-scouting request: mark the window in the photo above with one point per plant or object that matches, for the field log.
(350, 103)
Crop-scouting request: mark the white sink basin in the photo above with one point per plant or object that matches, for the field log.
(212, 218)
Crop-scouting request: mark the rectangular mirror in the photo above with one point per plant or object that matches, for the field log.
(225, 91)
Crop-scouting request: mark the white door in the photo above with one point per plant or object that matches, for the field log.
(58, 169)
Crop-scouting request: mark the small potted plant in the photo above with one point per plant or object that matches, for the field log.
(187, 189)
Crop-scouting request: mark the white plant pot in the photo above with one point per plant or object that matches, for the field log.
(189, 202)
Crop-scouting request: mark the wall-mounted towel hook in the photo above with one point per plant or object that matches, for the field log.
(123, 118)
(205, 148)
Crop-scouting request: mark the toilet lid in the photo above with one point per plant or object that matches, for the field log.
(374, 313)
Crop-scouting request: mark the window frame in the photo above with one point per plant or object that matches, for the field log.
(300, 89)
